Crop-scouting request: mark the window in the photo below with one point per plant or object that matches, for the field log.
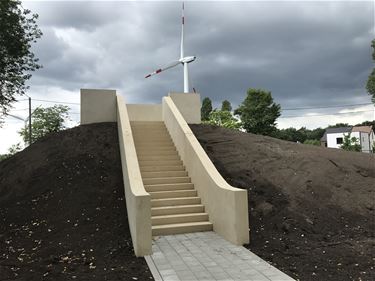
(339, 140)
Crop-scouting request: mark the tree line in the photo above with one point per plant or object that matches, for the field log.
(258, 114)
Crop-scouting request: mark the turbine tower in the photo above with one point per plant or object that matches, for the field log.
(183, 60)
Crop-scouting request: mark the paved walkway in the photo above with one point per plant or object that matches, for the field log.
(207, 256)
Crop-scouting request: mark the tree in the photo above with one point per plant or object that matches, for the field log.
(206, 109)
(367, 123)
(11, 151)
(258, 112)
(338, 125)
(350, 143)
(46, 120)
(223, 118)
(226, 106)
(370, 86)
(18, 30)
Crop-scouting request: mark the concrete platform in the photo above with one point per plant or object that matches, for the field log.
(207, 256)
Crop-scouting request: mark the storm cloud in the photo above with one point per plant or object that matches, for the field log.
(306, 53)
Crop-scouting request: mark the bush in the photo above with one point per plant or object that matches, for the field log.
(312, 142)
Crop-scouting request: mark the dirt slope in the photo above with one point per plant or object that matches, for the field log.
(311, 208)
(62, 210)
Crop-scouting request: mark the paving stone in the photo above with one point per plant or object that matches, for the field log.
(207, 256)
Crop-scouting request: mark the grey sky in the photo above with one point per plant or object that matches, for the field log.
(306, 53)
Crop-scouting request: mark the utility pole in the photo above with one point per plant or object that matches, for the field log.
(29, 121)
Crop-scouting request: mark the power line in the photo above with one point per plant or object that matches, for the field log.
(51, 101)
(58, 102)
(19, 109)
(333, 106)
(339, 113)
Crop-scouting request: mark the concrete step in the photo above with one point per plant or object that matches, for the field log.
(148, 132)
(152, 152)
(168, 187)
(156, 137)
(158, 157)
(164, 174)
(160, 163)
(150, 181)
(162, 168)
(179, 228)
(173, 210)
(179, 218)
(154, 146)
(152, 143)
(173, 194)
(148, 148)
(175, 201)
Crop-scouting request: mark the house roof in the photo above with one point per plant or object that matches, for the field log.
(365, 129)
(338, 130)
(335, 131)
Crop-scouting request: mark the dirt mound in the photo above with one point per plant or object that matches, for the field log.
(311, 209)
(62, 210)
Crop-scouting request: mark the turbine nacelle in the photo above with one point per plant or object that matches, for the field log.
(187, 59)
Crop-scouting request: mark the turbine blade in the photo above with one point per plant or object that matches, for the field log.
(173, 64)
(182, 32)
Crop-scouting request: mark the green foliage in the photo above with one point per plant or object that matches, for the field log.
(339, 125)
(18, 30)
(46, 120)
(11, 151)
(223, 118)
(373, 147)
(350, 143)
(370, 85)
(258, 112)
(312, 142)
(300, 135)
(206, 109)
(226, 106)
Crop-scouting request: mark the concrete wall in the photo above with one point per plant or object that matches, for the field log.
(189, 106)
(226, 205)
(145, 112)
(138, 201)
(98, 106)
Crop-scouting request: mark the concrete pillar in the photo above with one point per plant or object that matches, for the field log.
(98, 106)
(189, 106)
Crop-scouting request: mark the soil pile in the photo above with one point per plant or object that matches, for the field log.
(62, 210)
(311, 209)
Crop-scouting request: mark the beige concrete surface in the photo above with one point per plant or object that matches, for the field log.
(189, 106)
(170, 188)
(98, 106)
(227, 206)
(145, 112)
(138, 201)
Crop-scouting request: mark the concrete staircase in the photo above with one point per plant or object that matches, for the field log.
(175, 205)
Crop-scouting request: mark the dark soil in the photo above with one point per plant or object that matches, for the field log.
(63, 213)
(311, 209)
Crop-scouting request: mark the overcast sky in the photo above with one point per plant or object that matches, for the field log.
(308, 54)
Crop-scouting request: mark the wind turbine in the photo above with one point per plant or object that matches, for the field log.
(183, 60)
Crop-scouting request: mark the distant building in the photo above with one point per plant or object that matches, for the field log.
(366, 137)
(334, 137)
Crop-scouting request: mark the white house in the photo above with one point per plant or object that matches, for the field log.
(334, 137)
